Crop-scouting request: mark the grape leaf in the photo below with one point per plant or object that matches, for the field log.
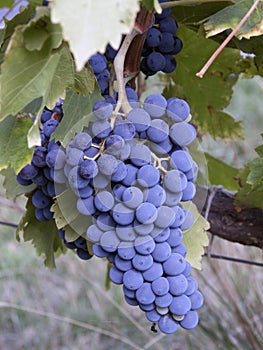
(150, 4)
(196, 237)
(210, 95)
(230, 16)
(26, 75)
(44, 235)
(12, 187)
(67, 216)
(6, 3)
(251, 185)
(13, 143)
(39, 29)
(220, 173)
(193, 15)
(77, 114)
(90, 26)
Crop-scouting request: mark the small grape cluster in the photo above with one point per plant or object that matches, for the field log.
(41, 169)
(130, 173)
(161, 45)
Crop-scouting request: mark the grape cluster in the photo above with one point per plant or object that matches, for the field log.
(41, 169)
(131, 173)
(161, 45)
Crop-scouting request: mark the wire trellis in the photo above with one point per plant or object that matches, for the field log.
(212, 256)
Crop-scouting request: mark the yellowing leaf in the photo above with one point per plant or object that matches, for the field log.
(89, 25)
(230, 16)
(196, 237)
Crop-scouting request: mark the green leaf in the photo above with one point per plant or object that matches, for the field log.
(22, 18)
(150, 4)
(230, 16)
(67, 216)
(35, 38)
(250, 194)
(255, 176)
(220, 173)
(84, 82)
(259, 150)
(12, 187)
(77, 114)
(196, 237)
(39, 29)
(90, 26)
(191, 16)
(26, 75)
(6, 3)
(210, 95)
(13, 143)
(44, 235)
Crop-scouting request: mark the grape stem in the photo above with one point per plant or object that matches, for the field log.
(188, 2)
(201, 73)
(119, 68)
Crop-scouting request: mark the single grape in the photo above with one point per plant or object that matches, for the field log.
(160, 286)
(174, 265)
(132, 197)
(142, 262)
(158, 130)
(182, 133)
(178, 284)
(156, 61)
(161, 252)
(104, 201)
(180, 305)
(109, 241)
(132, 279)
(148, 176)
(190, 320)
(146, 213)
(116, 275)
(155, 105)
(144, 294)
(102, 109)
(155, 271)
(167, 324)
(164, 300)
(122, 215)
(144, 245)
(140, 119)
(154, 37)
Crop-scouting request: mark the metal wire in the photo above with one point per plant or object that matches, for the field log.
(213, 256)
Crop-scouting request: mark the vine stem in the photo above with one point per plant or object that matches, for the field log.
(188, 2)
(201, 73)
(119, 68)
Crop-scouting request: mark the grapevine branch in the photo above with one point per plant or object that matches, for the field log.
(233, 223)
(201, 73)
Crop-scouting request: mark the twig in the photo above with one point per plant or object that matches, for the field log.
(226, 41)
(188, 2)
(119, 68)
